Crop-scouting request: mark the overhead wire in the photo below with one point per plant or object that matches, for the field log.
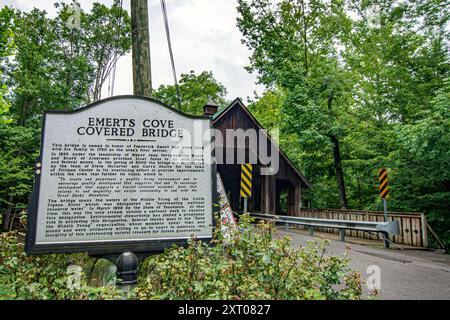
(169, 44)
(112, 76)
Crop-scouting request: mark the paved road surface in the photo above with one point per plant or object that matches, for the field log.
(408, 274)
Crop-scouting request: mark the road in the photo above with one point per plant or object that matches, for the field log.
(405, 274)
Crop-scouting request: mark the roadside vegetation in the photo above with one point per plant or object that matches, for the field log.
(251, 264)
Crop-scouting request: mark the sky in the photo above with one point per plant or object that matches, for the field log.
(204, 37)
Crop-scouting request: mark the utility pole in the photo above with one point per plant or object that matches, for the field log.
(142, 74)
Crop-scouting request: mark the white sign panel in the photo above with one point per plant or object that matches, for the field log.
(125, 169)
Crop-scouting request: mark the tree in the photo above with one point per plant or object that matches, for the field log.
(195, 91)
(6, 44)
(59, 68)
(422, 164)
(48, 66)
(295, 45)
(103, 37)
(18, 151)
(107, 37)
(341, 77)
(398, 69)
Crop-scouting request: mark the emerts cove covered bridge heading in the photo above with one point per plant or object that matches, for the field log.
(267, 190)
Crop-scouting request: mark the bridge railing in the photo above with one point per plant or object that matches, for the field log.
(386, 228)
(413, 226)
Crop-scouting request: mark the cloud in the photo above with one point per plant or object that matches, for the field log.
(204, 37)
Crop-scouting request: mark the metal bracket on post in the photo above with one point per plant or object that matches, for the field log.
(127, 270)
(342, 234)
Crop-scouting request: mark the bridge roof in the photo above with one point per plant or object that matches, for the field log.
(237, 103)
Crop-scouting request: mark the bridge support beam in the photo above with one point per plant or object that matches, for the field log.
(269, 187)
(295, 201)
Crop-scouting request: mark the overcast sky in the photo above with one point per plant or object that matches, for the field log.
(204, 37)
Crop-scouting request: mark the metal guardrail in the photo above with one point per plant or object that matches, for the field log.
(413, 225)
(386, 228)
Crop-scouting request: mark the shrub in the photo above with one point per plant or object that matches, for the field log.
(42, 277)
(250, 265)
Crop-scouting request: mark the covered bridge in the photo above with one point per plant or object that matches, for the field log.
(273, 194)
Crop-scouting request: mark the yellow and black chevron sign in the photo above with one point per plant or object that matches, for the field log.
(246, 180)
(384, 183)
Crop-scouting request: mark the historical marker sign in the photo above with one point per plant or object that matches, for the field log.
(123, 174)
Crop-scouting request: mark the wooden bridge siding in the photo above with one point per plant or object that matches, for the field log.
(413, 232)
(267, 201)
(407, 231)
(412, 225)
(424, 231)
(268, 187)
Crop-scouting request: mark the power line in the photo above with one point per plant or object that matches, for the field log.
(112, 77)
(169, 44)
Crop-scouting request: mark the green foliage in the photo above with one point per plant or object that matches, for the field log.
(252, 265)
(6, 44)
(47, 66)
(18, 152)
(381, 92)
(296, 47)
(104, 36)
(57, 68)
(195, 91)
(422, 164)
(43, 277)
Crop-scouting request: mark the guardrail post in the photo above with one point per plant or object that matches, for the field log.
(311, 231)
(386, 240)
(342, 234)
(287, 226)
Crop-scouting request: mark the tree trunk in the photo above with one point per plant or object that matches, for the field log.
(338, 163)
(339, 172)
(7, 218)
(141, 48)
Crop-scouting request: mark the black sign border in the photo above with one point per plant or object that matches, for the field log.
(106, 247)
